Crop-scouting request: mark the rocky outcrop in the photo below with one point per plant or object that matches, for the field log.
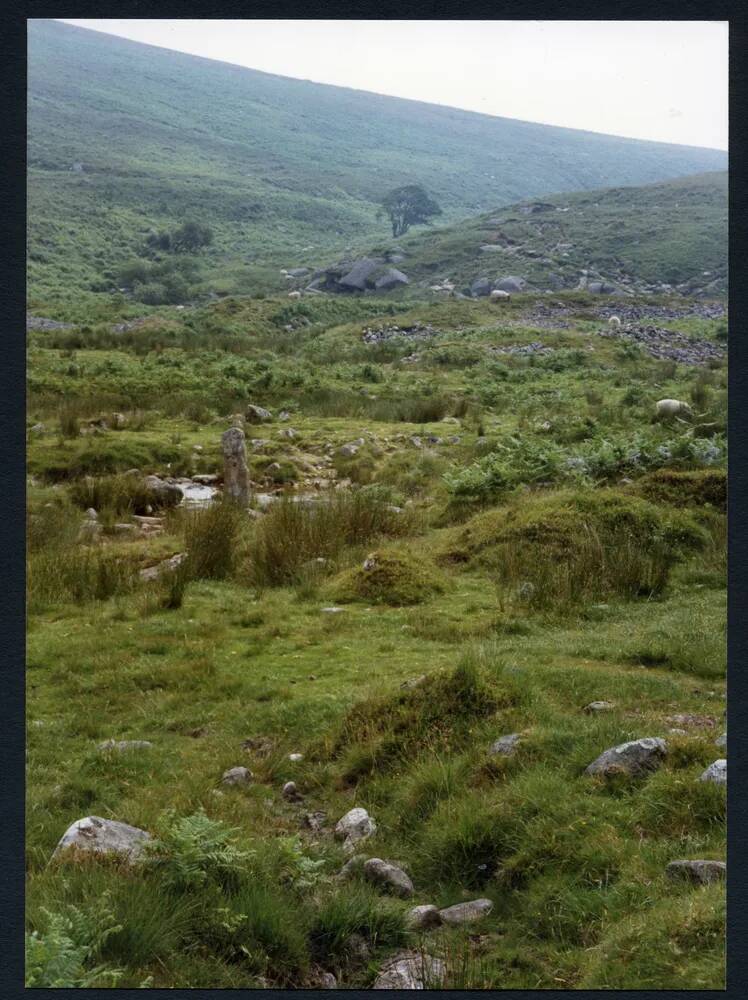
(423, 918)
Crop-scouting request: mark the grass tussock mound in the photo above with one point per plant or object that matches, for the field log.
(686, 488)
(291, 535)
(388, 577)
(377, 734)
(569, 547)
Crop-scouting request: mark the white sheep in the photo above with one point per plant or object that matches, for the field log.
(497, 295)
(614, 322)
(672, 408)
(294, 295)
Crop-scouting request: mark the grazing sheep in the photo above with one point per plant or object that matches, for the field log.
(672, 408)
(497, 294)
(294, 295)
(614, 322)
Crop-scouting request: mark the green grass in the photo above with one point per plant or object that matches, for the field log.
(235, 645)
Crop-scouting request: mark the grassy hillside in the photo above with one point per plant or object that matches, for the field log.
(274, 165)
(507, 537)
(673, 233)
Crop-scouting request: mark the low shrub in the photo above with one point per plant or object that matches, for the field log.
(212, 538)
(356, 911)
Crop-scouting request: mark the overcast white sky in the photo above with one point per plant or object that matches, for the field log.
(663, 80)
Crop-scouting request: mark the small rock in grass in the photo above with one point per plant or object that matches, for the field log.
(358, 948)
(332, 610)
(413, 682)
(721, 741)
(237, 776)
(314, 821)
(121, 746)
(505, 745)
(423, 918)
(701, 872)
(94, 835)
(678, 732)
(466, 913)
(296, 757)
(410, 970)
(716, 772)
(386, 874)
(291, 793)
(598, 706)
(355, 826)
(632, 758)
(91, 514)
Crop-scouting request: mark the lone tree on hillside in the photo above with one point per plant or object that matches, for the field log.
(407, 206)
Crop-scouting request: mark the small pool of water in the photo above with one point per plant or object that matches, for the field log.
(196, 494)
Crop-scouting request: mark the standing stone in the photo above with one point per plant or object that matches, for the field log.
(235, 474)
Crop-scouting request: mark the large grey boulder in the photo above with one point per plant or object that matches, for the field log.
(410, 970)
(510, 283)
(359, 274)
(423, 918)
(633, 758)
(716, 772)
(94, 835)
(391, 278)
(700, 872)
(235, 471)
(601, 288)
(466, 913)
(480, 287)
(389, 876)
(354, 827)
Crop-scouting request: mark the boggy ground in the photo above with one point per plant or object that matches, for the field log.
(546, 546)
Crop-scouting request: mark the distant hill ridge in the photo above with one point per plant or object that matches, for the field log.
(124, 137)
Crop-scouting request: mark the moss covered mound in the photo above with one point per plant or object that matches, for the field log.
(686, 488)
(436, 711)
(389, 577)
(570, 546)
